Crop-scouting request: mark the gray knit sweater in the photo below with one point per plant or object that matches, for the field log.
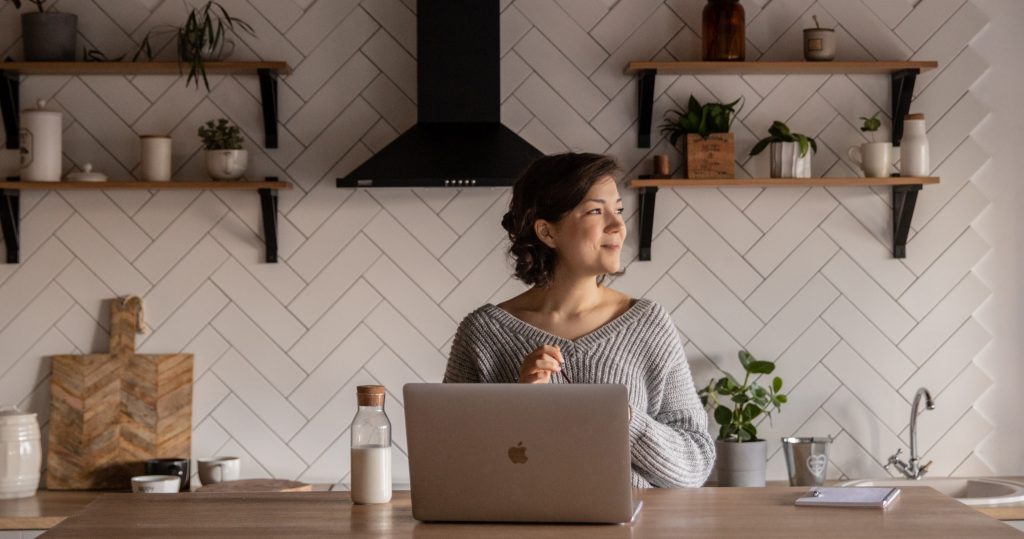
(640, 349)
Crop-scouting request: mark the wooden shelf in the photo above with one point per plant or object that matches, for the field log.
(904, 198)
(779, 182)
(139, 68)
(10, 203)
(779, 68)
(132, 185)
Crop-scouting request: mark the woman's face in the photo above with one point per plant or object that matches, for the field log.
(588, 239)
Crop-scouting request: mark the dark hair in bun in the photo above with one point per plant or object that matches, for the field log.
(551, 187)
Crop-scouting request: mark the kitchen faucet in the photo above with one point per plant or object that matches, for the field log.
(911, 469)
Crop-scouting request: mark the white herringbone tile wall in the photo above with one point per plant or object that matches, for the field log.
(372, 283)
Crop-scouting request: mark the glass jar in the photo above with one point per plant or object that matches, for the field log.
(724, 31)
(371, 448)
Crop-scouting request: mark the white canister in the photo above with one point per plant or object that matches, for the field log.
(914, 160)
(21, 454)
(156, 158)
(41, 131)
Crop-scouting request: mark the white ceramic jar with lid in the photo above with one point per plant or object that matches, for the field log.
(41, 144)
(21, 453)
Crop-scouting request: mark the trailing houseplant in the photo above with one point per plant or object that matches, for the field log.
(735, 406)
(790, 152)
(225, 159)
(48, 36)
(709, 148)
(874, 158)
(203, 37)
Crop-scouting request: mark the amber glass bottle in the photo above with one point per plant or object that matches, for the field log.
(724, 32)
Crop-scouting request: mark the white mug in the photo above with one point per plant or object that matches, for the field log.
(156, 484)
(219, 469)
(874, 158)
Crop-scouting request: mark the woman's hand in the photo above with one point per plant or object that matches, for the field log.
(540, 364)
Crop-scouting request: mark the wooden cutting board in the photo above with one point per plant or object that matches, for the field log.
(257, 485)
(109, 413)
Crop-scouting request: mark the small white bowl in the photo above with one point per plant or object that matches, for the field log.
(156, 484)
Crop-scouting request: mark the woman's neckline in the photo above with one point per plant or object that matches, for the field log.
(636, 308)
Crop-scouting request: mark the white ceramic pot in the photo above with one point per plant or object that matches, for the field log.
(21, 454)
(41, 151)
(226, 164)
(786, 161)
(741, 464)
(156, 158)
(913, 149)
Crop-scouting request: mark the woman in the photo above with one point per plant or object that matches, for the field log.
(566, 228)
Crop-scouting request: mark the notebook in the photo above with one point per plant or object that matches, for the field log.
(879, 497)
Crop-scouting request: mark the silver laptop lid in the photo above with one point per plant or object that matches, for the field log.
(519, 452)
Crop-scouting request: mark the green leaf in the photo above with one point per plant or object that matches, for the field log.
(761, 367)
(723, 415)
(776, 383)
(751, 431)
(871, 124)
(745, 359)
(779, 127)
(814, 145)
(760, 146)
(782, 399)
(751, 410)
(693, 105)
(740, 398)
(804, 144)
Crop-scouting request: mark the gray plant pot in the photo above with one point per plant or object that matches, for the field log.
(49, 37)
(741, 464)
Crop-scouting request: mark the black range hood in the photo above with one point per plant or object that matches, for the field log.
(459, 140)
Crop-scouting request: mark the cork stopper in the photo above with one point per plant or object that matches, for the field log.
(661, 165)
(915, 116)
(370, 395)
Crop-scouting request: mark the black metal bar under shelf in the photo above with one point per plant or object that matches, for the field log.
(268, 98)
(9, 107)
(268, 205)
(645, 103)
(902, 94)
(904, 198)
(647, 197)
(10, 220)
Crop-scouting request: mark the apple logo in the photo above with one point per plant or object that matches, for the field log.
(517, 454)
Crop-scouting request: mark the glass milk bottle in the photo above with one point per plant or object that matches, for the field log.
(914, 147)
(371, 448)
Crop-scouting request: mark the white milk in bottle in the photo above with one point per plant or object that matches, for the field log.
(371, 448)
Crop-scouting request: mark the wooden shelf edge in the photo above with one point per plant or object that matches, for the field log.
(173, 185)
(137, 68)
(788, 67)
(781, 182)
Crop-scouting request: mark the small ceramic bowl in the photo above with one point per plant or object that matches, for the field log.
(156, 484)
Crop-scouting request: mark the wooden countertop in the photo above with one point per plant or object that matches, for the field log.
(704, 512)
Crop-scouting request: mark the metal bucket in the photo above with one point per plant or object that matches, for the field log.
(807, 460)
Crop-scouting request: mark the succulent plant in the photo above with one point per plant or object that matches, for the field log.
(220, 135)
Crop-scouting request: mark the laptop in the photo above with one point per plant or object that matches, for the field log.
(519, 452)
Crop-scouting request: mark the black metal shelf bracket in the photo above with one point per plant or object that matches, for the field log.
(268, 99)
(902, 94)
(904, 198)
(9, 107)
(647, 197)
(645, 100)
(268, 206)
(10, 220)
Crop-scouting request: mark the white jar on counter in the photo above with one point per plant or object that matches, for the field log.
(914, 159)
(21, 454)
(41, 144)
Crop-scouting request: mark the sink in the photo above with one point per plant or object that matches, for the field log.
(967, 490)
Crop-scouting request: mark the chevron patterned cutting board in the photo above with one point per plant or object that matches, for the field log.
(109, 413)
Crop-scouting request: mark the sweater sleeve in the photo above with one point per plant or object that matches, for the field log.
(462, 360)
(671, 447)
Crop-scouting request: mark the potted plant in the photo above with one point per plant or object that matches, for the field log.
(790, 152)
(709, 147)
(203, 37)
(225, 159)
(48, 36)
(741, 454)
(874, 158)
